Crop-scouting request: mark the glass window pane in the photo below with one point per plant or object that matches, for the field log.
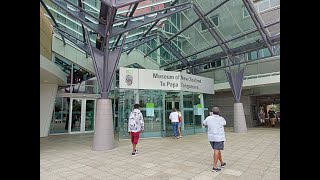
(90, 109)
(76, 115)
(215, 20)
(60, 117)
(266, 52)
(65, 66)
(252, 55)
(263, 5)
(274, 3)
(245, 12)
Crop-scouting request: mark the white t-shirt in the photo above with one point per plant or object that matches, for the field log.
(174, 117)
(215, 125)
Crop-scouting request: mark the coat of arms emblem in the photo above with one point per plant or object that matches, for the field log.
(129, 79)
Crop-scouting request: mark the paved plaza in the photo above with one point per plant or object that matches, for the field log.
(251, 156)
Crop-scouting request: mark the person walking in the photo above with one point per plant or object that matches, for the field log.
(174, 117)
(216, 136)
(261, 116)
(272, 116)
(135, 126)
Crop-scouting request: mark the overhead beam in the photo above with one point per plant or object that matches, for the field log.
(80, 8)
(137, 43)
(147, 20)
(126, 24)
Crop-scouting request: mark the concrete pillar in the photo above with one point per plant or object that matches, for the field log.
(103, 134)
(239, 125)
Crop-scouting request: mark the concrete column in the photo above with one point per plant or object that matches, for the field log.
(103, 134)
(239, 119)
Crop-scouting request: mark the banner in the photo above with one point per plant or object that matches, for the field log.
(131, 78)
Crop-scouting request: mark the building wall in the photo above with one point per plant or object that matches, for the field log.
(45, 35)
(50, 75)
(263, 66)
(73, 54)
(47, 98)
(225, 101)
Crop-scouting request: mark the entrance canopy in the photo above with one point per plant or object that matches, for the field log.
(177, 34)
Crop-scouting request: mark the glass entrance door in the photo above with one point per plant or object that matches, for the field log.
(171, 101)
(82, 115)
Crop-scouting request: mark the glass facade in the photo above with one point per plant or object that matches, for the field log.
(157, 123)
(79, 80)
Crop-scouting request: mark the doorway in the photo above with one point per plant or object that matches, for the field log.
(172, 100)
(82, 115)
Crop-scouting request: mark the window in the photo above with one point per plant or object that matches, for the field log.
(212, 65)
(253, 55)
(214, 19)
(245, 12)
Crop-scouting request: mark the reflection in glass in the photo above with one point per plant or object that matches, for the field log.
(76, 115)
(59, 122)
(89, 122)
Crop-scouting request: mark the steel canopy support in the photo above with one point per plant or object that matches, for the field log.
(259, 24)
(235, 80)
(126, 24)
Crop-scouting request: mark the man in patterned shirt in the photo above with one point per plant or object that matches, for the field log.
(135, 125)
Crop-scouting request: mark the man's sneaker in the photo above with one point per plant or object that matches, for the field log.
(136, 151)
(215, 169)
(223, 165)
(134, 154)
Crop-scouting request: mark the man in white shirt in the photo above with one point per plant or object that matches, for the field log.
(216, 136)
(174, 117)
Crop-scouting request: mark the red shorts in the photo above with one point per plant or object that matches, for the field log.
(135, 137)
